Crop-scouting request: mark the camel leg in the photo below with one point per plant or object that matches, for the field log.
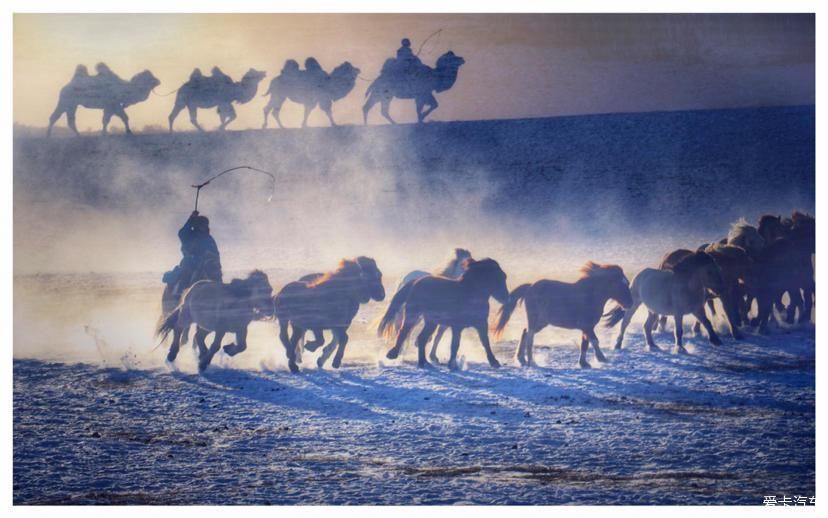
(422, 341)
(385, 104)
(582, 360)
(455, 346)
(240, 345)
(174, 113)
(194, 118)
(308, 110)
(483, 333)
(628, 314)
(121, 114)
(342, 339)
(432, 104)
(204, 360)
(711, 333)
(107, 116)
(59, 111)
(327, 107)
(290, 349)
(372, 100)
(437, 337)
(70, 120)
(227, 114)
(648, 331)
(593, 338)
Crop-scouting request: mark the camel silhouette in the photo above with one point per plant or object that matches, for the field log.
(215, 91)
(309, 88)
(417, 82)
(104, 91)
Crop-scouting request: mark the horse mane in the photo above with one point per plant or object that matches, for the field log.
(241, 288)
(592, 269)
(455, 261)
(740, 228)
(345, 268)
(729, 251)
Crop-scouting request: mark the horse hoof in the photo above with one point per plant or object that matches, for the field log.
(602, 358)
(585, 365)
(655, 349)
(293, 368)
(453, 366)
(230, 349)
(392, 355)
(320, 362)
(336, 363)
(618, 346)
(716, 341)
(494, 364)
(682, 350)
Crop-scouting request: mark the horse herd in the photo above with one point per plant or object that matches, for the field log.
(761, 263)
(311, 87)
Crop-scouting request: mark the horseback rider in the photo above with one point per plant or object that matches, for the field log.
(201, 259)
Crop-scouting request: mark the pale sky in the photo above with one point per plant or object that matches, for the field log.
(516, 65)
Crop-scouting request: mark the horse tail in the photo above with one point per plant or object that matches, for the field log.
(385, 327)
(166, 325)
(506, 310)
(613, 316)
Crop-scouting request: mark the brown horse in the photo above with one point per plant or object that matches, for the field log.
(327, 302)
(577, 305)
(456, 303)
(737, 276)
(223, 308)
(678, 292)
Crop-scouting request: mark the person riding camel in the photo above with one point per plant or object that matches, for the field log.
(201, 259)
(407, 61)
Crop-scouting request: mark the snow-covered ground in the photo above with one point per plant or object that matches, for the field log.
(722, 425)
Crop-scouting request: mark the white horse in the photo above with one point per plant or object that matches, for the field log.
(453, 269)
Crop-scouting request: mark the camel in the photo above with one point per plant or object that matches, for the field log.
(104, 91)
(217, 90)
(309, 88)
(416, 82)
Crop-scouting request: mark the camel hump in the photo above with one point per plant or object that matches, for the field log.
(196, 74)
(81, 71)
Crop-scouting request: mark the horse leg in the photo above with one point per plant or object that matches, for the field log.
(628, 314)
(175, 346)
(807, 304)
(765, 305)
(731, 310)
(194, 118)
(204, 361)
(199, 343)
(408, 322)
(455, 346)
(422, 341)
(599, 354)
(483, 333)
(290, 350)
(318, 339)
(661, 323)
(529, 348)
(437, 337)
(796, 302)
(582, 361)
(527, 338)
(711, 333)
(240, 345)
(327, 107)
(342, 338)
(327, 351)
(648, 332)
(679, 332)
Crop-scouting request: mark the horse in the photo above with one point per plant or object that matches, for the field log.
(455, 303)
(327, 302)
(219, 307)
(453, 270)
(785, 265)
(414, 84)
(746, 236)
(215, 91)
(104, 91)
(303, 88)
(577, 305)
(678, 292)
(738, 275)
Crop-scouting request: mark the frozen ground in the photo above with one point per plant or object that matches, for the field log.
(722, 425)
